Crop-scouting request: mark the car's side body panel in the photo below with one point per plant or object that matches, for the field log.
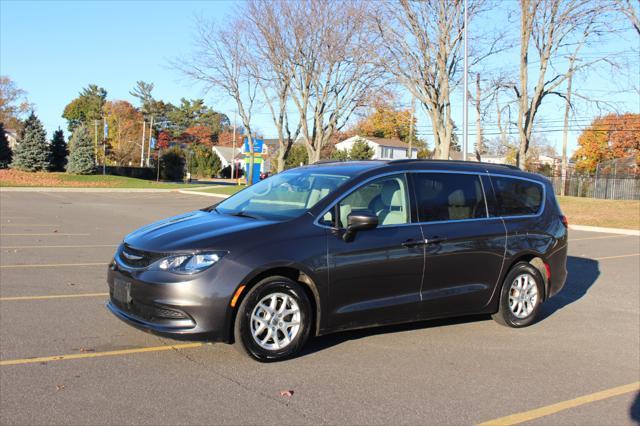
(371, 280)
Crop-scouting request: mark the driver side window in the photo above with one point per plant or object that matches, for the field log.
(385, 197)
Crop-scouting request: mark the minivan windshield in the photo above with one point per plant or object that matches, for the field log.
(283, 196)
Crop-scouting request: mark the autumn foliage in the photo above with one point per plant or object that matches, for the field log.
(387, 122)
(607, 138)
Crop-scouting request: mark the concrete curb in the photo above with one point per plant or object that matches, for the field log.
(206, 194)
(74, 189)
(605, 230)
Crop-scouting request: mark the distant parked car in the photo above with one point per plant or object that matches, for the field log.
(337, 246)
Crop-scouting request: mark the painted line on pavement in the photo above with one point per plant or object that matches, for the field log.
(53, 265)
(58, 247)
(616, 257)
(54, 296)
(621, 231)
(28, 224)
(598, 238)
(49, 234)
(99, 354)
(561, 406)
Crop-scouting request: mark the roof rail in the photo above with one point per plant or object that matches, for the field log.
(414, 160)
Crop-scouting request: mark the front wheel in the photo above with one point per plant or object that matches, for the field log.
(273, 320)
(521, 296)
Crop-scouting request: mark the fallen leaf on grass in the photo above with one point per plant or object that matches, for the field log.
(59, 387)
(286, 393)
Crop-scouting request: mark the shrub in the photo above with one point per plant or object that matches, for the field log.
(203, 162)
(172, 162)
(5, 150)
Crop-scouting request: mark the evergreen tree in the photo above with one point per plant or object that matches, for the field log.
(59, 152)
(5, 149)
(361, 150)
(297, 155)
(82, 159)
(33, 151)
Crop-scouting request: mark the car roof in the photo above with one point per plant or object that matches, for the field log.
(353, 168)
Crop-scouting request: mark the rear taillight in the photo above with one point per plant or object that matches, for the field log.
(564, 221)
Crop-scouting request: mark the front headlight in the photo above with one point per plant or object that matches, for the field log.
(189, 263)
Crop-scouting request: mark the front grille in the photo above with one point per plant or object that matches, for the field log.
(135, 258)
(150, 312)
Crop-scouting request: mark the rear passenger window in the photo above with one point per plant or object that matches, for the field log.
(516, 197)
(449, 196)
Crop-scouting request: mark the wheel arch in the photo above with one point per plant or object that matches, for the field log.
(537, 261)
(292, 272)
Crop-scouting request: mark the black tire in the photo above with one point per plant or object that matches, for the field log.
(244, 340)
(505, 316)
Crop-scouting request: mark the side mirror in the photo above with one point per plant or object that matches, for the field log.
(359, 221)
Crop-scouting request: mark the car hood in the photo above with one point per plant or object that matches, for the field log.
(191, 231)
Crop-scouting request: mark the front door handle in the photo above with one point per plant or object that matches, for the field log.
(434, 240)
(414, 243)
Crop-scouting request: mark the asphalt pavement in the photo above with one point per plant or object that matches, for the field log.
(64, 359)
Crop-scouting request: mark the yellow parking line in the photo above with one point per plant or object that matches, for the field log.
(48, 234)
(561, 406)
(54, 296)
(52, 265)
(617, 257)
(58, 247)
(99, 354)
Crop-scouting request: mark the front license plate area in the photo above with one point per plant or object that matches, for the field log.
(122, 291)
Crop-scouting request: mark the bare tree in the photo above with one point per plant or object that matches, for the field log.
(548, 28)
(422, 49)
(328, 53)
(272, 70)
(627, 8)
(221, 61)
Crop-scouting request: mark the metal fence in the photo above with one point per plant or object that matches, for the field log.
(611, 188)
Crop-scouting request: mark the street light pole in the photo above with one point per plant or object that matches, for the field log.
(144, 128)
(233, 150)
(465, 110)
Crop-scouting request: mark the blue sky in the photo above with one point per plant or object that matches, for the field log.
(52, 49)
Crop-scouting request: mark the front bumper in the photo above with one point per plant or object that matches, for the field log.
(159, 303)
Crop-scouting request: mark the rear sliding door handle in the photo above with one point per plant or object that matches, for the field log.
(434, 240)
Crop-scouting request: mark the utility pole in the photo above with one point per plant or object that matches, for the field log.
(104, 148)
(465, 111)
(150, 136)
(233, 150)
(144, 128)
(95, 141)
(413, 112)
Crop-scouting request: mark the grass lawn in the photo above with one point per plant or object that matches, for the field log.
(595, 212)
(43, 179)
(223, 189)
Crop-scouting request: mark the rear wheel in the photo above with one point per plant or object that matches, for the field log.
(521, 296)
(273, 320)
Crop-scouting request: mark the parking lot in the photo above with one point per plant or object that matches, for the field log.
(64, 359)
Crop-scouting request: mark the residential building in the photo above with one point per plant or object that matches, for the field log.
(383, 149)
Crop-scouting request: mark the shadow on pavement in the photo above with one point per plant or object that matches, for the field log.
(582, 273)
(634, 411)
(324, 342)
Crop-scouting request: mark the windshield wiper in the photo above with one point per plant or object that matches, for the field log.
(242, 214)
